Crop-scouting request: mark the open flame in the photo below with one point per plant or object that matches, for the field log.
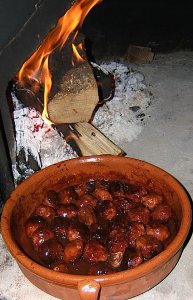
(47, 79)
(76, 54)
(36, 68)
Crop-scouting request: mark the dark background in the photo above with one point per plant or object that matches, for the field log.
(162, 25)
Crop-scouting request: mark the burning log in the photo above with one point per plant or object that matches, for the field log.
(83, 137)
(86, 83)
(77, 96)
(76, 92)
(77, 87)
(70, 93)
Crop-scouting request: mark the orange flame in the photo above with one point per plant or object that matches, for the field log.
(36, 67)
(47, 79)
(76, 54)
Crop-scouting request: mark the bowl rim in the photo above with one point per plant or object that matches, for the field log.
(70, 279)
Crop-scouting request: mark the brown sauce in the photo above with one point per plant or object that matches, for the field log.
(99, 227)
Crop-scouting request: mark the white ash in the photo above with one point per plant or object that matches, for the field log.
(54, 143)
(36, 138)
(123, 117)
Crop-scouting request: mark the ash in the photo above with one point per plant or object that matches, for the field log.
(124, 116)
(38, 145)
(121, 119)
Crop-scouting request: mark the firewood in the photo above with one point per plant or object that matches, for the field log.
(77, 96)
(104, 80)
(84, 138)
(138, 54)
(87, 140)
(73, 99)
(74, 94)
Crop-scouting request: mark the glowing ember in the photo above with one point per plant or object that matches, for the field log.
(36, 67)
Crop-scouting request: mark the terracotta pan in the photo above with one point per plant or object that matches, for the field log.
(118, 286)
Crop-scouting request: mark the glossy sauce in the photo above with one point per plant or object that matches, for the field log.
(100, 227)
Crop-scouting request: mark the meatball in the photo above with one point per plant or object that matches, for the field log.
(102, 194)
(85, 188)
(99, 235)
(107, 210)
(87, 200)
(121, 221)
(45, 212)
(67, 211)
(137, 193)
(123, 205)
(95, 252)
(102, 184)
(41, 235)
(135, 230)
(60, 267)
(73, 251)
(52, 199)
(148, 246)
(100, 268)
(50, 251)
(159, 231)
(132, 258)
(100, 227)
(77, 230)
(115, 259)
(60, 226)
(87, 216)
(161, 213)
(34, 223)
(151, 200)
(117, 241)
(117, 189)
(140, 214)
(68, 195)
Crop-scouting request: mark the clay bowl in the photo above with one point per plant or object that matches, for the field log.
(117, 286)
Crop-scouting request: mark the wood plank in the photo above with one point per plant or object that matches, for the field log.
(138, 55)
(89, 140)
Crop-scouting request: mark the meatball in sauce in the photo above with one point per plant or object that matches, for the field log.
(100, 227)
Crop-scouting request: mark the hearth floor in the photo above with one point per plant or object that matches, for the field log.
(166, 141)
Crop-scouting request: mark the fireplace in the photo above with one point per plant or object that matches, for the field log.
(19, 43)
(24, 28)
